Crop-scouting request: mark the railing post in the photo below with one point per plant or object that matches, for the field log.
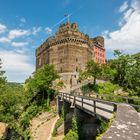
(94, 107)
(96, 96)
(63, 96)
(74, 100)
(115, 108)
(82, 102)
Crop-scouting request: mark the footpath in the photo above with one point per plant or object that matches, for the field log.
(42, 126)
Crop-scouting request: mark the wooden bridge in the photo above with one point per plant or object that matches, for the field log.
(89, 107)
(97, 104)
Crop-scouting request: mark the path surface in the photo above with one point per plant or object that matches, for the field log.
(126, 125)
(42, 126)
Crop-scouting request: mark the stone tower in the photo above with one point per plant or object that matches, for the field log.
(69, 50)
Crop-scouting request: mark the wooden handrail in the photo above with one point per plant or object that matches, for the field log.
(100, 96)
(65, 95)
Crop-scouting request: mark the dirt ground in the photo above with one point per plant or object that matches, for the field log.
(42, 126)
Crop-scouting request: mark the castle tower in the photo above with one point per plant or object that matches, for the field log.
(69, 50)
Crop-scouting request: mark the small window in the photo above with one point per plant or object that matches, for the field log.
(39, 61)
(76, 59)
(76, 69)
(60, 60)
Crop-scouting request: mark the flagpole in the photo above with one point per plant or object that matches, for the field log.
(68, 18)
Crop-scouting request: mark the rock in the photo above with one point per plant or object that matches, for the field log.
(3, 129)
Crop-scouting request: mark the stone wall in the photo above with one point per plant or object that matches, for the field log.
(69, 50)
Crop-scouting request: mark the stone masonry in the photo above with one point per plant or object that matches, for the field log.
(69, 50)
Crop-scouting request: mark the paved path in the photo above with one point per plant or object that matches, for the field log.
(126, 125)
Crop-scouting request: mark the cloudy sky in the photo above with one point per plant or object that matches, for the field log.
(25, 24)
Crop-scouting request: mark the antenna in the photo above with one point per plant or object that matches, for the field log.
(68, 17)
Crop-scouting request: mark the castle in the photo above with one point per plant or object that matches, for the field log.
(69, 50)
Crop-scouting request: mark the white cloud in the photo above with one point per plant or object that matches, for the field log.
(48, 30)
(123, 7)
(23, 20)
(5, 40)
(2, 28)
(18, 33)
(17, 66)
(19, 44)
(126, 38)
(35, 30)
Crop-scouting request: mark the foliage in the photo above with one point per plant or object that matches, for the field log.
(2, 78)
(25, 118)
(12, 102)
(127, 71)
(93, 69)
(73, 132)
(86, 89)
(71, 135)
(104, 125)
(40, 84)
(107, 88)
(74, 125)
(19, 105)
(57, 125)
(107, 72)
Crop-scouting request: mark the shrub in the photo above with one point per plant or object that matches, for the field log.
(107, 88)
(71, 135)
(73, 132)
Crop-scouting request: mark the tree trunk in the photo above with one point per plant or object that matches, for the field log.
(94, 81)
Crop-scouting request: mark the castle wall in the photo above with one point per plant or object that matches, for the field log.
(70, 50)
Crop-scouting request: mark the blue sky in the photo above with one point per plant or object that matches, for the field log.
(24, 25)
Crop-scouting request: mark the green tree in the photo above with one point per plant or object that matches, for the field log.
(40, 84)
(93, 69)
(2, 78)
(127, 72)
(108, 73)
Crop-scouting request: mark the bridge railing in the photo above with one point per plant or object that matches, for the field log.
(135, 102)
(101, 108)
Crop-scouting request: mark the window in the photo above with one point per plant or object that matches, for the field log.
(61, 69)
(60, 60)
(76, 59)
(76, 69)
(39, 61)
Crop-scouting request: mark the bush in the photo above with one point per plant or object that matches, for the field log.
(71, 135)
(73, 132)
(86, 88)
(107, 88)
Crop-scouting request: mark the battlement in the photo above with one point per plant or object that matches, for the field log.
(98, 40)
